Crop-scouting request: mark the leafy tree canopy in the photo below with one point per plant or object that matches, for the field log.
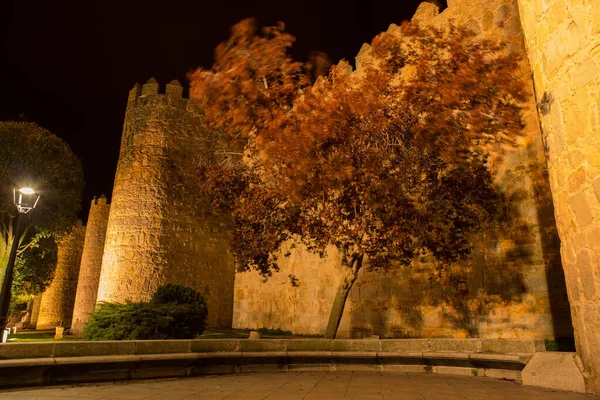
(30, 156)
(34, 270)
(253, 83)
(35, 266)
(384, 163)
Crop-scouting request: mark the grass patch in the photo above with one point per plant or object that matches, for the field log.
(273, 332)
(265, 333)
(308, 336)
(225, 334)
(48, 336)
(36, 336)
(560, 344)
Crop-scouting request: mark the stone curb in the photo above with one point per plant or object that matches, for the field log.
(27, 364)
(52, 370)
(135, 347)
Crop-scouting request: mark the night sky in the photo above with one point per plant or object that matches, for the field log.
(68, 65)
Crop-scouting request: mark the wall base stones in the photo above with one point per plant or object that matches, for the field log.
(484, 297)
(554, 370)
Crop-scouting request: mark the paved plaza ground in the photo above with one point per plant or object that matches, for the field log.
(302, 385)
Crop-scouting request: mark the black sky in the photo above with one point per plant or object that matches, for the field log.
(68, 65)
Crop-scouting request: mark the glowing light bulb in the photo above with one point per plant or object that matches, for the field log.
(27, 190)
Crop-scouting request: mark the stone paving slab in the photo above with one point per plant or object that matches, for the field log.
(318, 385)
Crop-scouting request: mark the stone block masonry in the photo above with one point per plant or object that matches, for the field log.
(56, 306)
(158, 231)
(35, 311)
(91, 263)
(563, 45)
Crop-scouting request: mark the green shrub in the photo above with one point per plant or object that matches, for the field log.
(175, 312)
(560, 344)
(274, 332)
(171, 293)
(16, 306)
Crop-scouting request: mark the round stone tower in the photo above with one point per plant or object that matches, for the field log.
(158, 231)
(91, 263)
(35, 311)
(56, 307)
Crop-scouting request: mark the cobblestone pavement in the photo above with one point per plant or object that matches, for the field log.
(302, 385)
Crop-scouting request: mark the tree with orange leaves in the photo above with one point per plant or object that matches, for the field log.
(250, 89)
(384, 163)
(253, 83)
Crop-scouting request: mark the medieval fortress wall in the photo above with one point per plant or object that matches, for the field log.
(56, 305)
(512, 286)
(35, 311)
(563, 43)
(502, 290)
(91, 263)
(157, 231)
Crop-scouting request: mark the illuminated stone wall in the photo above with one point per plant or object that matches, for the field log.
(35, 311)
(157, 231)
(56, 307)
(297, 298)
(512, 286)
(91, 263)
(563, 44)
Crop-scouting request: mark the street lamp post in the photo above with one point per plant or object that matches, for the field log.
(25, 200)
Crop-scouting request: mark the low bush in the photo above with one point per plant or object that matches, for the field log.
(174, 312)
(171, 293)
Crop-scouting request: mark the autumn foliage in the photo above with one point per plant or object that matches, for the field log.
(253, 83)
(384, 163)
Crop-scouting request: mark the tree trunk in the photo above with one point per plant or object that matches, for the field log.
(4, 256)
(339, 302)
(27, 320)
(7, 279)
(6, 244)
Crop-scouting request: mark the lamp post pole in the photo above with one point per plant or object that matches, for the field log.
(26, 201)
(8, 274)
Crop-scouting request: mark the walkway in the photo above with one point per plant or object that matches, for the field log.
(302, 385)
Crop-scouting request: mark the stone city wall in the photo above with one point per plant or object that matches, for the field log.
(157, 230)
(56, 306)
(35, 311)
(563, 44)
(512, 285)
(91, 263)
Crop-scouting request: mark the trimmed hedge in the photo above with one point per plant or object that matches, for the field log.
(174, 312)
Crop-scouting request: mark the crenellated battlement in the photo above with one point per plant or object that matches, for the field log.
(99, 200)
(425, 12)
(150, 88)
(173, 89)
(150, 94)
